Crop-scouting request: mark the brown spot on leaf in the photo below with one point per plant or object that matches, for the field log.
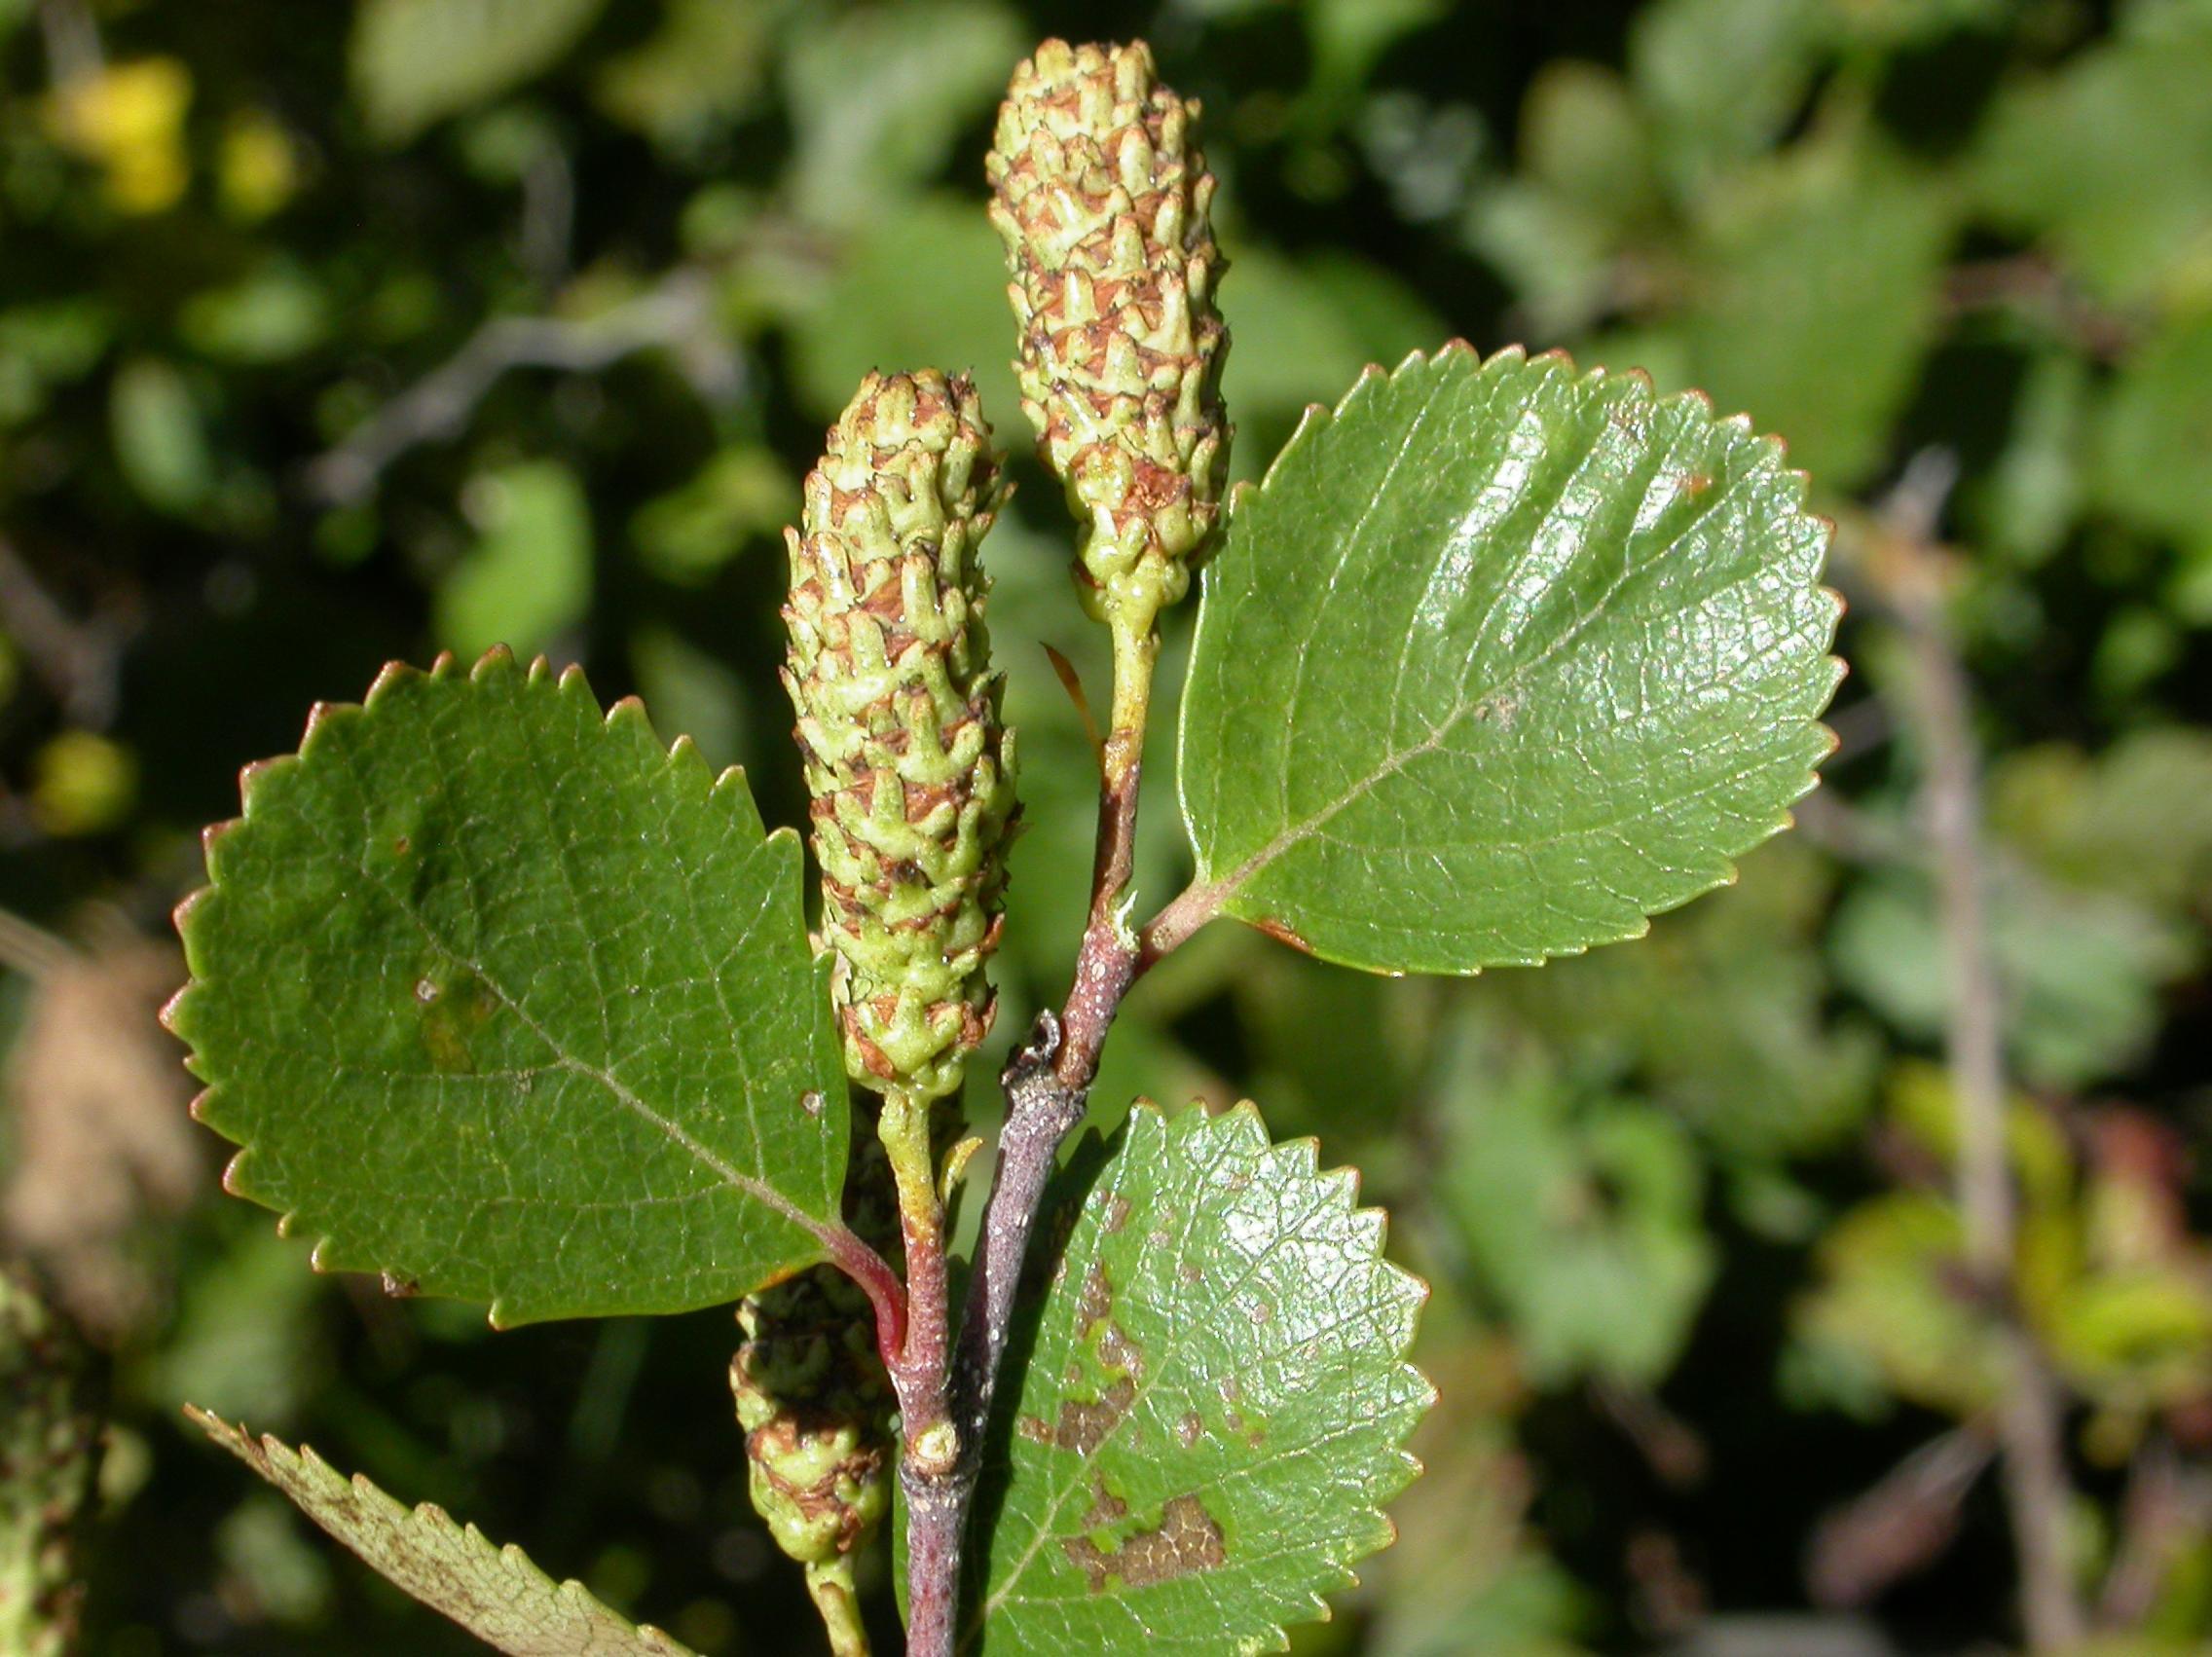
(1033, 1428)
(1282, 934)
(1084, 1423)
(1186, 1541)
(1118, 1351)
(1106, 1508)
(1117, 1213)
(1096, 1303)
(1190, 1430)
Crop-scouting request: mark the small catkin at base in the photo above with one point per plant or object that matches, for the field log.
(817, 1410)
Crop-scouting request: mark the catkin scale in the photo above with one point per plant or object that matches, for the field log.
(1102, 200)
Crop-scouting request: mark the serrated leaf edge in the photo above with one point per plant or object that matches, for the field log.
(627, 715)
(1341, 1186)
(1316, 417)
(291, 1471)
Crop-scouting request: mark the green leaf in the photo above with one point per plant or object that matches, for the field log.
(2110, 161)
(1818, 294)
(702, 69)
(1583, 1218)
(2028, 502)
(161, 438)
(2135, 819)
(1320, 319)
(878, 98)
(275, 313)
(414, 63)
(1347, 38)
(689, 534)
(1722, 1016)
(2081, 970)
(923, 281)
(530, 577)
(1905, 25)
(2155, 431)
(1722, 78)
(1212, 1404)
(497, 1593)
(1564, 228)
(1499, 661)
(511, 1005)
(1888, 1302)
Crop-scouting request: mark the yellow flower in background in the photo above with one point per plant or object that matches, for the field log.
(258, 172)
(128, 119)
(83, 784)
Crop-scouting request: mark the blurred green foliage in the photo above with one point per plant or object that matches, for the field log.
(333, 333)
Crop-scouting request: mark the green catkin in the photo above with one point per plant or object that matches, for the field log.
(911, 774)
(910, 770)
(817, 1410)
(48, 1453)
(1102, 198)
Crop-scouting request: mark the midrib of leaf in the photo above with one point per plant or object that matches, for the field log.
(756, 1185)
(1065, 1486)
(1577, 832)
(562, 1059)
(497, 1593)
(1345, 551)
(1220, 891)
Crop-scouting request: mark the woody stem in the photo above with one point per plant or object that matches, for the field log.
(1046, 1085)
(918, 1373)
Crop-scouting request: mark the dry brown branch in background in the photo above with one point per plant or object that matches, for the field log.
(101, 1142)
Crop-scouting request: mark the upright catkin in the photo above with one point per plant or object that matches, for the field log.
(909, 766)
(1102, 198)
(911, 774)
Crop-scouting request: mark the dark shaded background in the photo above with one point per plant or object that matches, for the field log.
(333, 333)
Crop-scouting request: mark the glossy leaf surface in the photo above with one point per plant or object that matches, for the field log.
(1499, 660)
(1212, 1404)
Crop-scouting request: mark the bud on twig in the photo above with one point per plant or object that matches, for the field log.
(1102, 200)
(909, 766)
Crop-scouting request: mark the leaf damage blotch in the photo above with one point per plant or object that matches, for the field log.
(1186, 1541)
(1106, 1508)
(1084, 1424)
